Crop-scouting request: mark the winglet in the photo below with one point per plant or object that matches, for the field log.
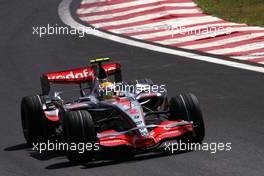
(98, 60)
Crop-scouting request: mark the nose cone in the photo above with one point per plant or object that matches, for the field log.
(144, 142)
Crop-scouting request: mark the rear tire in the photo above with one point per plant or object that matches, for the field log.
(33, 119)
(79, 128)
(186, 107)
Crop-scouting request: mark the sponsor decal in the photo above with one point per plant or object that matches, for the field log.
(79, 74)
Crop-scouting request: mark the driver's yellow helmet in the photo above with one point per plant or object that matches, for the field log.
(106, 90)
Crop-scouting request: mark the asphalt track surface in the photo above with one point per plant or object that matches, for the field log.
(232, 99)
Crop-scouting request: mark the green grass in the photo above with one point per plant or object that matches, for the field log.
(242, 11)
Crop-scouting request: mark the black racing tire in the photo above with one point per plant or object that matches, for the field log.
(33, 119)
(186, 107)
(79, 128)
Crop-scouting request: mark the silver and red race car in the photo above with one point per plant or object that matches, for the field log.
(111, 112)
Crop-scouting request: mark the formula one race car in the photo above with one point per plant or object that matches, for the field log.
(135, 114)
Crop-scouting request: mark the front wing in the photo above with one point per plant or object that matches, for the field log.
(165, 131)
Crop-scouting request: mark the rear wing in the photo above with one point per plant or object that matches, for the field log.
(77, 76)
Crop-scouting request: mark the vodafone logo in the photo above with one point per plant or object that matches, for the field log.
(83, 74)
(68, 75)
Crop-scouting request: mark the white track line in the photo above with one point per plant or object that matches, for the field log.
(251, 56)
(65, 15)
(220, 42)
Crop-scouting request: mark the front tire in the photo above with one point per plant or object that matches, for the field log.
(186, 107)
(33, 119)
(79, 128)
